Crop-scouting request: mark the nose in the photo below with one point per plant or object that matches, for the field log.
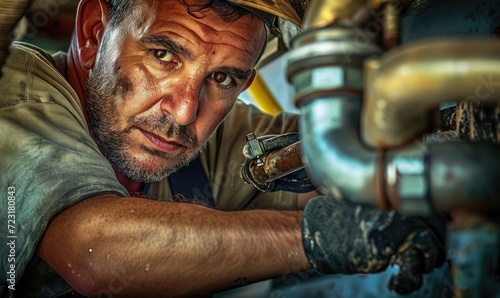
(182, 102)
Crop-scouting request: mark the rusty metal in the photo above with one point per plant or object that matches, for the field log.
(277, 164)
(391, 29)
(478, 122)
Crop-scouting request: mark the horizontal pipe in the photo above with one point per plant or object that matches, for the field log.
(465, 175)
(413, 80)
(277, 164)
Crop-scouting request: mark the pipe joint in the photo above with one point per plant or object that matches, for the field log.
(328, 61)
(407, 180)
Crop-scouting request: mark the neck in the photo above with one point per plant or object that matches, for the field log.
(77, 76)
(132, 186)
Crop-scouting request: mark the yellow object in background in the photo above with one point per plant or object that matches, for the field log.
(263, 97)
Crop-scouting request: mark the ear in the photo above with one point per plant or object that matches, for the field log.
(250, 80)
(91, 20)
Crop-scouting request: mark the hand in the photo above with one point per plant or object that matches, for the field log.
(342, 237)
(257, 148)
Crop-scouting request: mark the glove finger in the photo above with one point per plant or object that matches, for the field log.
(429, 244)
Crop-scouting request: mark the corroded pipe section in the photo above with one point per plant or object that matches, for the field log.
(277, 164)
(413, 80)
(10, 14)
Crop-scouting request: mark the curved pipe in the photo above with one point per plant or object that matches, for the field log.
(10, 14)
(337, 160)
(412, 81)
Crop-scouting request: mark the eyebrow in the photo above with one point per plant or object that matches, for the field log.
(237, 73)
(169, 44)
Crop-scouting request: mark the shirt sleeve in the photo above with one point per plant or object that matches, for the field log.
(48, 160)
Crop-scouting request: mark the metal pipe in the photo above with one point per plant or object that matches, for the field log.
(418, 179)
(415, 179)
(391, 29)
(465, 175)
(277, 164)
(336, 158)
(321, 13)
(412, 81)
(11, 13)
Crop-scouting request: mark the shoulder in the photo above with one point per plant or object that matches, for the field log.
(30, 75)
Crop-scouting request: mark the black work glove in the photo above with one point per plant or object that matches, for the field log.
(342, 237)
(297, 181)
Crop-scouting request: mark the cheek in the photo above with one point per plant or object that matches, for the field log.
(135, 90)
(212, 116)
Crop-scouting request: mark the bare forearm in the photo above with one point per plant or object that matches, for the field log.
(133, 246)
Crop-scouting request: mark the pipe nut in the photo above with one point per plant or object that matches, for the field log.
(407, 181)
(310, 82)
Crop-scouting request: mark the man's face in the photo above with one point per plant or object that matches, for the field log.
(163, 81)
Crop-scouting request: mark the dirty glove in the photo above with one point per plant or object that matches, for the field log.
(256, 148)
(342, 237)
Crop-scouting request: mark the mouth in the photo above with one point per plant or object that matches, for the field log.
(161, 143)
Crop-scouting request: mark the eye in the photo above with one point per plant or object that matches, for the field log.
(163, 55)
(222, 78)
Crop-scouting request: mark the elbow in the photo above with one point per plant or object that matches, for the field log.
(96, 285)
(79, 249)
(89, 272)
(82, 272)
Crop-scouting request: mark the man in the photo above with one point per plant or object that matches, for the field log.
(147, 84)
